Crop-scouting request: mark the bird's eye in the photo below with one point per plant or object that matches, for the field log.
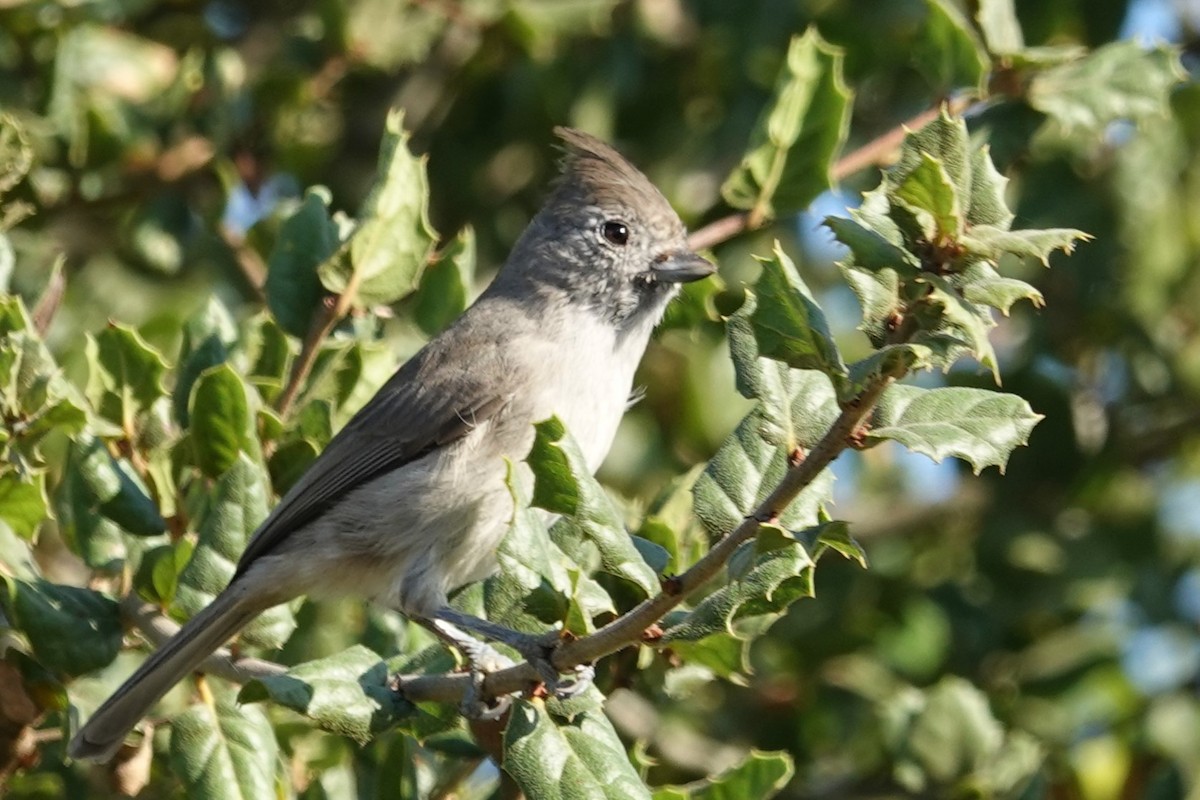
(615, 231)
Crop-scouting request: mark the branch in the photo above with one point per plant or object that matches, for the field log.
(148, 619)
(629, 628)
(332, 312)
(873, 153)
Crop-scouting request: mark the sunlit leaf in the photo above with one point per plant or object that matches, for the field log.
(794, 142)
(224, 751)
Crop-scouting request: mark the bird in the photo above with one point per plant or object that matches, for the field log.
(409, 500)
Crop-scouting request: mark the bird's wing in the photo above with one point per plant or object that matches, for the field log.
(429, 403)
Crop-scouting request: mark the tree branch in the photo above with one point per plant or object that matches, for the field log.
(148, 619)
(332, 312)
(873, 153)
(630, 627)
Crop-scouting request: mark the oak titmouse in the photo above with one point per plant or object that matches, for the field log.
(409, 501)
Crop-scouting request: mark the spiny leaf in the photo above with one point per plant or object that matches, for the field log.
(987, 205)
(788, 323)
(998, 21)
(592, 531)
(961, 320)
(787, 162)
(581, 757)
(112, 488)
(928, 192)
(981, 284)
(130, 373)
(945, 140)
(393, 240)
(976, 425)
(991, 243)
(871, 249)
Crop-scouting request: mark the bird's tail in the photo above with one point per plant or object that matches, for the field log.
(104, 732)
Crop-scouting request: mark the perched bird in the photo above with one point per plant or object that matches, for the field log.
(409, 501)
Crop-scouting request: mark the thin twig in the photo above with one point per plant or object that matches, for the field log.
(332, 312)
(874, 153)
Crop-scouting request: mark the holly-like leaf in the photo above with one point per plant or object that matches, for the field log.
(927, 191)
(982, 285)
(158, 572)
(393, 241)
(347, 693)
(986, 204)
(944, 140)
(871, 249)
(446, 285)
(991, 243)
(1121, 80)
(976, 425)
(129, 375)
(794, 142)
(591, 531)
(223, 420)
(224, 751)
(891, 361)
(795, 409)
(759, 775)
(88, 533)
(72, 630)
(947, 51)
(962, 320)
(556, 759)
(237, 505)
(788, 323)
(306, 239)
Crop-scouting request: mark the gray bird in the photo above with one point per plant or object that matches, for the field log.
(408, 501)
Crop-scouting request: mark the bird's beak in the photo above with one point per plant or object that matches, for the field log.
(681, 267)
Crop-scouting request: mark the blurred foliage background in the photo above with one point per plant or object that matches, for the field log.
(170, 137)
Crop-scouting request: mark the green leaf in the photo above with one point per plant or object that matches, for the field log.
(871, 249)
(976, 425)
(945, 140)
(72, 630)
(306, 239)
(208, 336)
(795, 409)
(110, 487)
(947, 51)
(991, 243)
(960, 319)
(347, 693)
(23, 504)
(928, 192)
(788, 323)
(591, 532)
(986, 204)
(223, 420)
(796, 139)
(536, 584)
(553, 759)
(158, 572)
(742, 608)
(1117, 81)
(835, 535)
(982, 285)
(760, 776)
(224, 751)
(446, 284)
(88, 533)
(237, 505)
(892, 361)
(998, 21)
(393, 240)
(16, 154)
(130, 374)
